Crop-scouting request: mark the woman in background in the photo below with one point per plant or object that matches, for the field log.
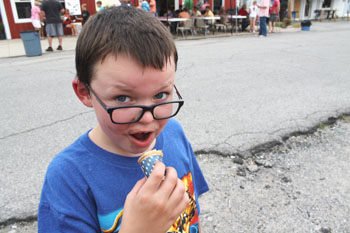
(68, 22)
(35, 17)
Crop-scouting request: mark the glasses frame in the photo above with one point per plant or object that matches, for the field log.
(145, 108)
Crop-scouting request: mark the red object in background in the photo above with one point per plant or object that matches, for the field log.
(16, 28)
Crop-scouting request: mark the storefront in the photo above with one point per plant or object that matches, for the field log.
(15, 16)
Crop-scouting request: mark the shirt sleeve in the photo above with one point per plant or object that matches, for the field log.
(66, 204)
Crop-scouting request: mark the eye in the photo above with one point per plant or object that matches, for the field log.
(161, 96)
(122, 98)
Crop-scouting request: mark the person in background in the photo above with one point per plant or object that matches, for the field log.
(35, 16)
(184, 14)
(243, 12)
(128, 3)
(199, 4)
(153, 7)
(196, 12)
(85, 14)
(170, 13)
(204, 7)
(253, 12)
(68, 22)
(209, 13)
(263, 14)
(52, 10)
(117, 3)
(145, 6)
(274, 10)
(99, 6)
(189, 5)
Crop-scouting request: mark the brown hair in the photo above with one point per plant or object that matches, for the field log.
(123, 30)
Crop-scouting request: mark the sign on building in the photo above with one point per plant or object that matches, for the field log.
(73, 6)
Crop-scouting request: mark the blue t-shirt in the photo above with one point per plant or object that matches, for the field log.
(85, 186)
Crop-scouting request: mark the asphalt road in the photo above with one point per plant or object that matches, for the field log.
(240, 92)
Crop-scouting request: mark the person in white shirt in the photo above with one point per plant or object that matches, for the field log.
(253, 12)
(117, 3)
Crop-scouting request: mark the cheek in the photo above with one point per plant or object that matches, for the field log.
(161, 124)
(107, 125)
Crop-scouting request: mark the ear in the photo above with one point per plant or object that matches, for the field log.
(82, 92)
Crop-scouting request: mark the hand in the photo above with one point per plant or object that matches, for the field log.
(154, 204)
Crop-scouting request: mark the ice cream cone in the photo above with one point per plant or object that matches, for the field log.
(148, 161)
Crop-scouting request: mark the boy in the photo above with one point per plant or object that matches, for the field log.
(99, 6)
(126, 61)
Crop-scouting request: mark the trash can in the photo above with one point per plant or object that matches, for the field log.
(305, 25)
(31, 42)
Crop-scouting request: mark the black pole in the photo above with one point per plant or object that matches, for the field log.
(167, 14)
(231, 17)
(236, 15)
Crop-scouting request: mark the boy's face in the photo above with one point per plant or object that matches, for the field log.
(120, 82)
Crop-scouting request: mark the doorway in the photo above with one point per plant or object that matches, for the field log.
(2, 29)
(307, 8)
(164, 7)
(217, 6)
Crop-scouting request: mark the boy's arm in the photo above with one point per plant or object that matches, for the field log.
(154, 204)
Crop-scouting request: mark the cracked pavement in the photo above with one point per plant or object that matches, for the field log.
(240, 92)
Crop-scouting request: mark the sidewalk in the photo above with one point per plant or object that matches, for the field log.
(15, 47)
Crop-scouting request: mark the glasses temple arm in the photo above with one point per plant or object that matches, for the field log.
(98, 99)
(177, 92)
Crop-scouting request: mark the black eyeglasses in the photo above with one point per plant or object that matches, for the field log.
(133, 113)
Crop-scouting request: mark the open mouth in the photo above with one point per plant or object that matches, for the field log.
(141, 136)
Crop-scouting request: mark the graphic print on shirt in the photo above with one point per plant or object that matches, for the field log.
(187, 222)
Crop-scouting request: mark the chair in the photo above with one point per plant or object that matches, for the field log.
(187, 26)
(202, 26)
(222, 24)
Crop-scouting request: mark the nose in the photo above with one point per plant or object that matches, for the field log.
(147, 117)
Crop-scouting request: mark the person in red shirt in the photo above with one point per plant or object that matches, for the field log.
(274, 11)
(153, 7)
(243, 12)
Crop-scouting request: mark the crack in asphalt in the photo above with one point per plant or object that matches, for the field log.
(260, 148)
(44, 126)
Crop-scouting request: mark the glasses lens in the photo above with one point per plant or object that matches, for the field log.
(125, 115)
(166, 110)
(131, 114)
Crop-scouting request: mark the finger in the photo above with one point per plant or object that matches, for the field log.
(139, 184)
(156, 177)
(169, 183)
(179, 199)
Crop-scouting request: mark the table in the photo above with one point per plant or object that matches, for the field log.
(236, 16)
(207, 17)
(165, 19)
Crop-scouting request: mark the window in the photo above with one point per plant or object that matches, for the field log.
(326, 4)
(21, 10)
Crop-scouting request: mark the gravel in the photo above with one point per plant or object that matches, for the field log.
(300, 185)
